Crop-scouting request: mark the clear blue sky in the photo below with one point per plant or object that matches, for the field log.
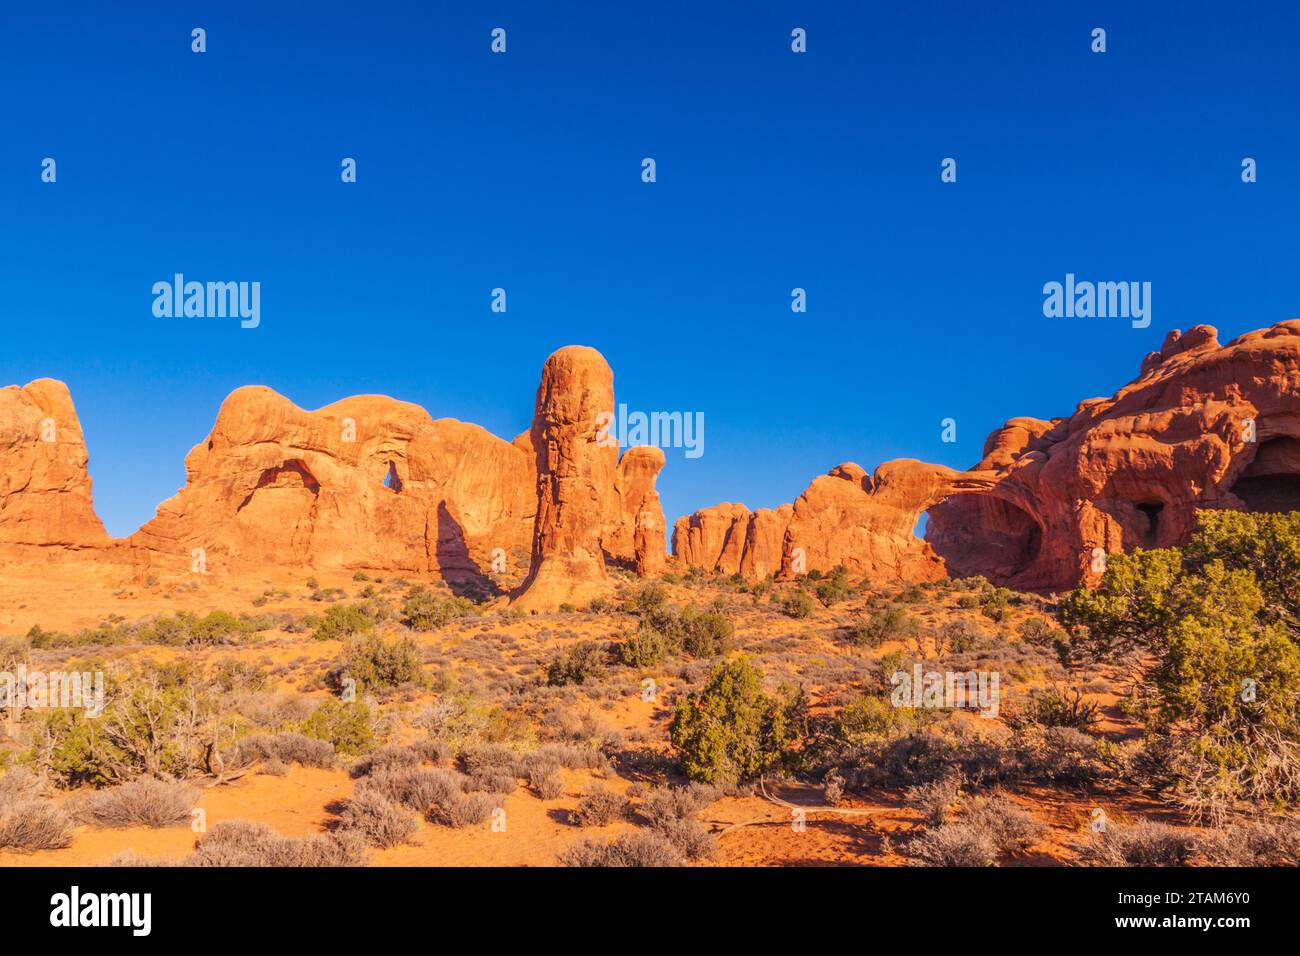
(522, 170)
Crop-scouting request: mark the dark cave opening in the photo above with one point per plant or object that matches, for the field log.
(1271, 483)
(1152, 510)
(1273, 494)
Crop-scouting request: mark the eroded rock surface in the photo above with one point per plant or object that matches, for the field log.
(846, 517)
(371, 482)
(368, 482)
(1203, 426)
(576, 492)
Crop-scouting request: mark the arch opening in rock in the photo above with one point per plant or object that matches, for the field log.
(981, 534)
(293, 475)
(1271, 483)
(391, 480)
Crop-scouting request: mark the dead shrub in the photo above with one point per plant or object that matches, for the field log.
(935, 799)
(20, 784)
(691, 838)
(635, 848)
(491, 758)
(667, 805)
(1059, 754)
(416, 788)
(672, 813)
(1011, 827)
(539, 762)
(1140, 844)
(379, 820)
(549, 786)
(463, 810)
(955, 844)
(245, 843)
(1056, 706)
(501, 784)
(388, 757)
(434, 751)
(569, 756)
(599, 807)
(288, 747)
(1255, 843)
(145, 802)
(980, 753)
(833, 788)
(129, 858)
(29, 825)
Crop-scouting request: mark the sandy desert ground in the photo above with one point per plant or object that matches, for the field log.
(498, 660)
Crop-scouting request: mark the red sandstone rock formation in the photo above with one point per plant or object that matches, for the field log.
(367, 482)
(1122, 472)
(372, 482)
(576, 494)
(847, 517)
(650, 557)
(590, 503)
(637, 537)
(764, 541)
(712, 538)
(866, 522)
(1130, 471)
(45, 499)
(634, 483)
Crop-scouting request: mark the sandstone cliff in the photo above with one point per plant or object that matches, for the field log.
(1203, 426)
(845, 517)
(371, 482)
(367, 482)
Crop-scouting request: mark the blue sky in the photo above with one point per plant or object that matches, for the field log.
(522, 170)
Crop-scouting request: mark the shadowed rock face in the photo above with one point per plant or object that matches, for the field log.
(713, 538)
(1120, 473)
